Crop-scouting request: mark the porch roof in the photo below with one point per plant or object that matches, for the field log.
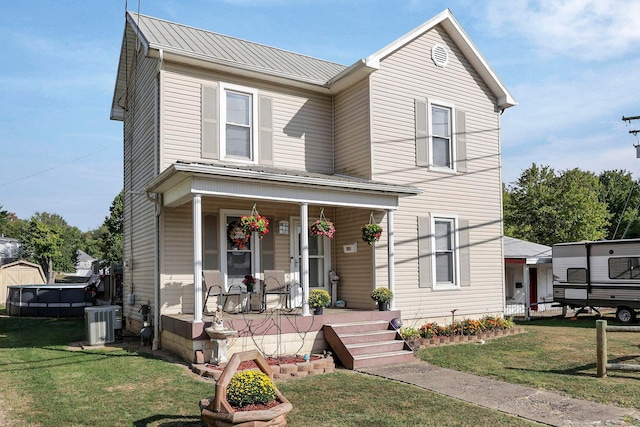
(180, 181)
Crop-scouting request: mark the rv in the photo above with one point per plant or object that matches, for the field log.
(603, 273)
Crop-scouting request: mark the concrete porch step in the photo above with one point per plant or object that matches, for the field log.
(375, 347)
(379, 359)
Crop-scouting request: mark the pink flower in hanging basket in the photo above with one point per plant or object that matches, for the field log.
(323, 227)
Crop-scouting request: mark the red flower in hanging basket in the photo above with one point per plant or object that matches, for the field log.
(371, 233)
(323, 227)
(257, 223)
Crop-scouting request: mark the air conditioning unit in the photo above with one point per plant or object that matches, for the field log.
(102, 322)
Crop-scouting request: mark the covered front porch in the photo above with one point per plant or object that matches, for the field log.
(219, 196)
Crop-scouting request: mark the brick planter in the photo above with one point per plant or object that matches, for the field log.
(426, 342)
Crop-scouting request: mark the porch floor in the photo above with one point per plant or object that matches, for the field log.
(288, 322)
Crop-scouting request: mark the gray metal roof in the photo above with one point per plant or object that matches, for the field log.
(214, 47)
(516, 248)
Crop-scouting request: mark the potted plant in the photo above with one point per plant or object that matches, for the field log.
(323, 227)
(249, 281)
(371, 233)
(318, 299)
(254, 222)
(382, 297)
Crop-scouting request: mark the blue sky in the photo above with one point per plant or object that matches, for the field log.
(572, 65)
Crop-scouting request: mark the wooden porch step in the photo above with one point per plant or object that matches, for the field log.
(366, 343)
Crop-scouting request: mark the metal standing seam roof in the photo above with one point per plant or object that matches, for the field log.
(189, 41)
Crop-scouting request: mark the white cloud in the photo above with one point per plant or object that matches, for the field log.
(582, 29)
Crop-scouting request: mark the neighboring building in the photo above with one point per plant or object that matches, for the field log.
(408, 137)
(85, 266)
(19, 273)
(9, 250)
(528, 276)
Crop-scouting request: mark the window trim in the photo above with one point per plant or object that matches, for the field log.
(453, 219)
(224, 88)
(452, 130)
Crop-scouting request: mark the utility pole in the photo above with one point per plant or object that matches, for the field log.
(634, 132)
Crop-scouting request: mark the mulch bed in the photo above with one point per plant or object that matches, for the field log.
(271, 361)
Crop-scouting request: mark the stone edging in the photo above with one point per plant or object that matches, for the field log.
(459, 339)
(285, 371)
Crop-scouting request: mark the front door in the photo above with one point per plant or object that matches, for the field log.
(319, 258)
(239, 256)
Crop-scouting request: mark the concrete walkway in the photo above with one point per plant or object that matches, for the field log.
(534, 404)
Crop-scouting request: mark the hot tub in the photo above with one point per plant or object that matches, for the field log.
(58, 300)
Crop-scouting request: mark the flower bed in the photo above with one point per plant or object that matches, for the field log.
(284, 367)
(463, 330)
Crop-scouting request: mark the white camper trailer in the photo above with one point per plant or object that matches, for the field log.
(603, 273)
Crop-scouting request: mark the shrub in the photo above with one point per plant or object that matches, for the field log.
(250, 388)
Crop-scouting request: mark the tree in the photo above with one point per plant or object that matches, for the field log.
(548, 208)
(620, 193)
(111, 233)
(51, 242)
(4, 219)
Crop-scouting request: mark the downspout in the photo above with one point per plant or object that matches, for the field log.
(157, 208)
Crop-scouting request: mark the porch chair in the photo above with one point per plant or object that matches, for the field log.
(212, 284)
(274, 284)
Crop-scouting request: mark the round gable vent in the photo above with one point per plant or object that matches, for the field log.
(439, 55)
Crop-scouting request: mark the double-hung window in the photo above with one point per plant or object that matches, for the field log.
(445, 253)
(238, 116)
(441, 137)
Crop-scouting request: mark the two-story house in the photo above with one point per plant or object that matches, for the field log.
(217, 127)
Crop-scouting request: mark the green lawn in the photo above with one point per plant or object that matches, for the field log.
(554, 354)
(44, 383)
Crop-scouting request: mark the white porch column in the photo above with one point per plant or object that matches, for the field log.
(197, 257)
(390, 257)
(304, 255)
(525, 281)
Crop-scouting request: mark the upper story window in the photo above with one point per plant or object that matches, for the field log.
(441, 136)
(238, 113)
(441, 140)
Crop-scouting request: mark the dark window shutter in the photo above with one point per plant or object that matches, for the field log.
(461, 141)
(422, 134)
(265, 141)
(464, 252)
(210, 132)
(425, 255)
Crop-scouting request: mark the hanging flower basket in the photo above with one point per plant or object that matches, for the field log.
(257, 223)
(323, 227)
(371, 233)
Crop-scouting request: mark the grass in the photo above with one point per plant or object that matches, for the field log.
(45, 383)
(554, 354)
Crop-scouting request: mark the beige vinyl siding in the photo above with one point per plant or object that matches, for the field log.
(405, 75)
(355, 269)
(302, 120)
(139, 168)
(352, 131)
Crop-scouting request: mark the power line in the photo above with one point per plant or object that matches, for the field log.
(52, 168)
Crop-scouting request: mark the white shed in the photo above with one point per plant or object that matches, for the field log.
(19, 273)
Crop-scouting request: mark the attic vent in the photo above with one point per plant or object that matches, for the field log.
(439, 55)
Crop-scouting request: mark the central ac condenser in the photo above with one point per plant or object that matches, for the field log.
(102, 322)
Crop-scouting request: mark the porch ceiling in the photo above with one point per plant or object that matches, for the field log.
(181, 180)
